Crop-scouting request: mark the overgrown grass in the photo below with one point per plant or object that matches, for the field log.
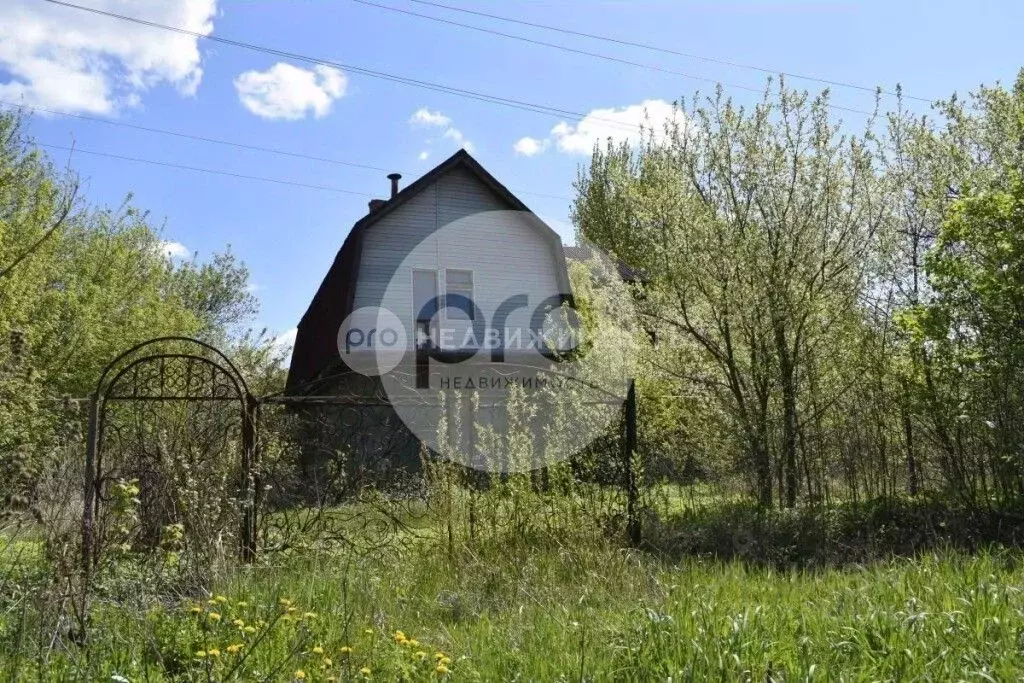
(842, 534)
(535, 608)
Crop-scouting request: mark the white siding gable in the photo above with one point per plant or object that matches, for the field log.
(457, 223)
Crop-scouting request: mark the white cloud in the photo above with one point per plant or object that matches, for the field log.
(621, 125)
(527, 146)
(624, 124)
(286, 340)
(287, 92)
(456, 135)
(284, 343)
(425, 117)
(423, 155)
(172, 249)
(62, 58)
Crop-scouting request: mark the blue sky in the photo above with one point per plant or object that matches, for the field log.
(63, 59)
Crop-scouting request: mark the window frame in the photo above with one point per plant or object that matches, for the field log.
(459, 314)
(427, 325)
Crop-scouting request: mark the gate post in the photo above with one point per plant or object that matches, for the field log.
(91, 448)
(632, 521)
(249, 460)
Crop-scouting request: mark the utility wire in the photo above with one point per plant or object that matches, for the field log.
(427, 85)
(230, 143)
(664, 50)
(197, 169)
(189, 136)
(587, 53)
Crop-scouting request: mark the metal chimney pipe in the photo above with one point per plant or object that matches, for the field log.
(394, 178)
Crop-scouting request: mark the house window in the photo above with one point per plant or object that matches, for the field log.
(424, 304)
(460, 284)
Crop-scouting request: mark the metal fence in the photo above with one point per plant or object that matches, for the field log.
(175, 440)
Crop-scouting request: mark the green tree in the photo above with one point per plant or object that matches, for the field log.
(757, 230)
(955, 175)
(218, 292)
(975, 321)
(79, 285)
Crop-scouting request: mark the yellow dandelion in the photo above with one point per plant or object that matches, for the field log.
(213, 616)
(213, 652)
(309, 615)
(399, 637)
(220, 598)
(196, 609)
(249, 629)
(238, 623)
(421, 655)
(241, 603)
(211, 601)
(292, 610)
(368, 631)
(439, 655)
(234, 648)
(328, 662)
(365, 671)
(200, 653)
(414, 643)
(345, 650)
(441, 669)
(284, 602)
(300, 675)
(317, 650)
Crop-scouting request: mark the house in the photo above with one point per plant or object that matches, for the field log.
(452, 281)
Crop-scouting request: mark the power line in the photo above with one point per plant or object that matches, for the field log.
(230, 143)
(200, 138)
(198, 169)
(663, 50)
(587, 53)
(427, 85)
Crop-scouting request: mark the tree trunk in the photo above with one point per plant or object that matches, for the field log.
(908, 433)
(763, 468)
(787, 377)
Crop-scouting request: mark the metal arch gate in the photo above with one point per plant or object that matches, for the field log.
(155, 383)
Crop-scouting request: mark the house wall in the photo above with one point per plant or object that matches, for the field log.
(458, 223)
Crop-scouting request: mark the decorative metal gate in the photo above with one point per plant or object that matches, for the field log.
(172, 426)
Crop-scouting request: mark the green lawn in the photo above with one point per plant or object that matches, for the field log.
(562, 611)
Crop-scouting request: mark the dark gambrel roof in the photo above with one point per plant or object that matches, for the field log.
(584, 254)
(315, 352)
